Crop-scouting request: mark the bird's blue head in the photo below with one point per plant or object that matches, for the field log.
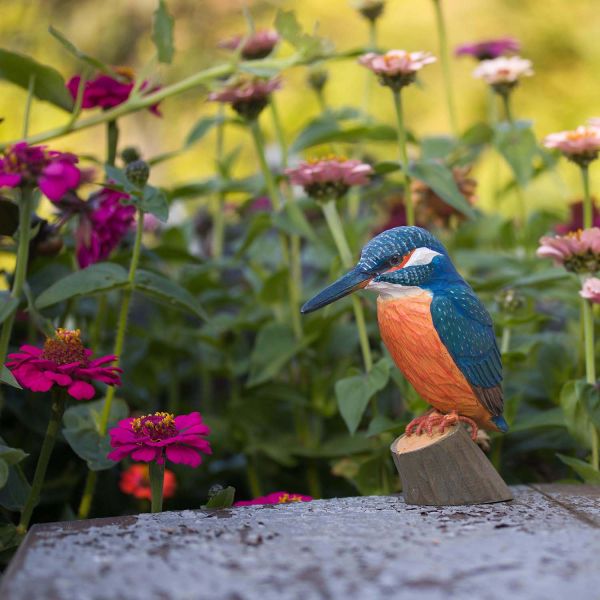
(394, 263)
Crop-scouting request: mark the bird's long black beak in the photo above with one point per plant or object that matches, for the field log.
(350, 282)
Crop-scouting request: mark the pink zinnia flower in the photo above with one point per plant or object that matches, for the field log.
(28, 166)
(503, 73)
(591, 290)
(396, 68)
(248, 97)
(274, 498)
(103, 226)
(580, 146)
(135, 481)
(63, 361)
(576, 219)
(257, 45)
(107, 92)
(578, 251)
(328, 178)
(161, 436)
(489, 49)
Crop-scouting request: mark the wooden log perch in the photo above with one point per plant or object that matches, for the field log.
(446, 469)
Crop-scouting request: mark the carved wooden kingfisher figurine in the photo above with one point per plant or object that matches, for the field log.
(438, 332)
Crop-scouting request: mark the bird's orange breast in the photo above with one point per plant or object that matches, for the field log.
(407, 330)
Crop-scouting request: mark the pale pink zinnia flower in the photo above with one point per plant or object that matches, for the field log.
(503, 73)
(256, 45)
(591, 290)
(578, 251)
(580, 145)
(594, 122)
(328, 178)
(396, 68)
(248, 97)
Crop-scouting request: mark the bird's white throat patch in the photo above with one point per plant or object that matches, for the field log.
(421, 256)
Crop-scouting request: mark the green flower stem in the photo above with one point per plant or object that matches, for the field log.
(25, 211)
(337, 231)
(507, 108)
(90, 484)
(505, 342)
(218, 238)
(112, 142)
(58, 407)
(157, 477)
(293, 288)
(445, 59)
(588, 208)
(590, 367)
(28, 103)
(410, 210)
(252, 475)
(371, 47)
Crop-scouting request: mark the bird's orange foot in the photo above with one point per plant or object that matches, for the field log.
(432, 419)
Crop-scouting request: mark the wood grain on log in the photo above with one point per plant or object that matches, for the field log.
(446, 469)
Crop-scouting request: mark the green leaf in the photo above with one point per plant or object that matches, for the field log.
(14, 494)
(162, 33)
(3, 473)
(10, 455)
(576, 418)
(9, 217)
(167, 291)
(275, 346)
(517, 144)
(223, 499)
(101, 277)
(583, 469)
(201, 128)
(542, 278)
(9, 537)
(440, 179)
(96, 64)
(553, 417)
(309, 47)
(154, 201)
(48, 83)
(591, 403)
(7, 377)
(353, 393)
(82, 431)
(8, 307)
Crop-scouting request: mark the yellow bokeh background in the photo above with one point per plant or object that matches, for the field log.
(561, 38)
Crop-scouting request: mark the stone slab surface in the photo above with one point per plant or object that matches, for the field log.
(543, 545)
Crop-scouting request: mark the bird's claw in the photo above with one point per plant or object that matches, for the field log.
(432, 419)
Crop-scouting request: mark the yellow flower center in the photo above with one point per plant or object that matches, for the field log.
(65, 347)
(158, 426)
(287, 498)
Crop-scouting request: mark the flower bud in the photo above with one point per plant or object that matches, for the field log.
(130, 154)
(214, 490)
(510, 300)
(317, 79)
(370, 9)
(138, 172)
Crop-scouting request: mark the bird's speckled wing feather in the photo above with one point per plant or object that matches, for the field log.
(466, 329)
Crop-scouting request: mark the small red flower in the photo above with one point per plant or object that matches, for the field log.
(161, 436)
(63, 361)
(135, 481)
(54, 172)
(274, 498)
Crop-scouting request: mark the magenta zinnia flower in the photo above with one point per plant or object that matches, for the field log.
(257, 45)
(328, 178)
(578, 251)
(102, 228)
(489, 49)
(580, 145)
(107, 92)
(63, 361)
(591, 290)
(161, 436)
(248, 97)
(396, 68)
(274, 498)
(29, 166)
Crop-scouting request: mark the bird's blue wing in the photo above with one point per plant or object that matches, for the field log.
(466, 329)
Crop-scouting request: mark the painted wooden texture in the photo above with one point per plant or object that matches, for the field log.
(407, 330)
(446, 469)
